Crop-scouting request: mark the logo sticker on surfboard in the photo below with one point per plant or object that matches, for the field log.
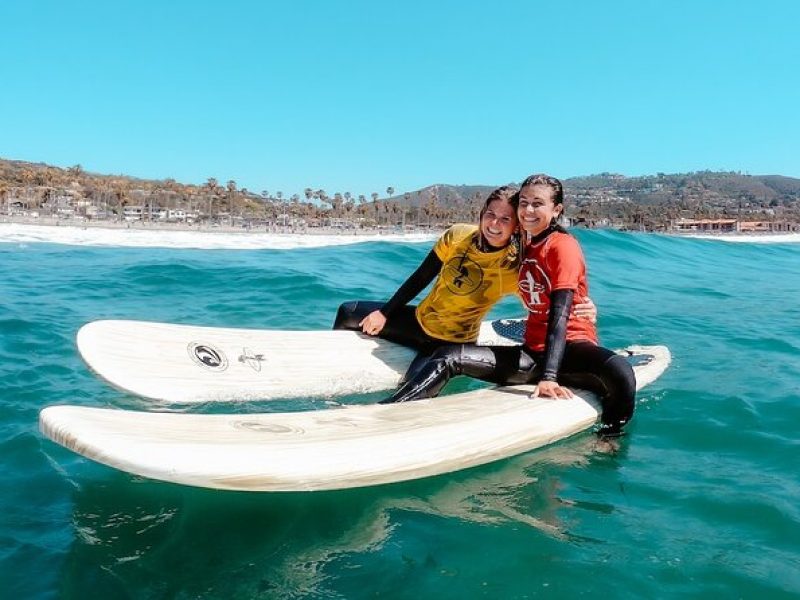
(251, 359)
(207, 356)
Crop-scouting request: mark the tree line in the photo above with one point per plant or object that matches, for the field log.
(649, 203)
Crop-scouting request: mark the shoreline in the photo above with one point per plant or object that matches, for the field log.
(25, 230)
(174, 236)
(211, 229)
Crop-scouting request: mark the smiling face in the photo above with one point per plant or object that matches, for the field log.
(498, 223)
(537, 209)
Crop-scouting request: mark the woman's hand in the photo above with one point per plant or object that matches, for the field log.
(586, 310)
(373, 323)
(551, 389)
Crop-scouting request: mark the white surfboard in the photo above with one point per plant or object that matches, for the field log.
(352, 446)
(186, 364)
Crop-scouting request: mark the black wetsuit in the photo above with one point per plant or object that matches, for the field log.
(576, 364)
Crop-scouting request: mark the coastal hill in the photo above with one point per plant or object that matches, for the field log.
(649, 202)
(702, 186)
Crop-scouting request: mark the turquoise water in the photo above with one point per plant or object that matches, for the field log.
(701, 499)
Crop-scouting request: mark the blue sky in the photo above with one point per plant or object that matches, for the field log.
(358, 96)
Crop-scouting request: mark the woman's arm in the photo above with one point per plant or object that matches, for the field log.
(374, 322)
(555, 345)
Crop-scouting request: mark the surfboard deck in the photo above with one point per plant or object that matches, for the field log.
(351, 446)
(189, 364)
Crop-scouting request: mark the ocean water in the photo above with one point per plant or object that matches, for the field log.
(700, 499)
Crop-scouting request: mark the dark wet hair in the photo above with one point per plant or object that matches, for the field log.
(510, 195)
(558, 193)
(551, 182)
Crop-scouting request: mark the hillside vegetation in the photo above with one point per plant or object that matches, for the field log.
(650, 202)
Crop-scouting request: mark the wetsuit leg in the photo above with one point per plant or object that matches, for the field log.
(605, 373)
(401, 326)
(507, 365)
(420, 360)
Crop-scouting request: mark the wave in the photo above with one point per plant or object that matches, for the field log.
(16, 233)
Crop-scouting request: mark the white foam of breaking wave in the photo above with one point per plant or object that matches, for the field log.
(17, 233)
(770, 238)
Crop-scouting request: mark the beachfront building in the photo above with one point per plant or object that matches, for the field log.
(61, 204)
(733, 226)
(95, 212)
(336, 223)
(133, 213)
(18, 201)
(767, 227)
(15, 207)
(705, 225)
(172, 215)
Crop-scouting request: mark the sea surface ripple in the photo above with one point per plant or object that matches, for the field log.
(701, 498)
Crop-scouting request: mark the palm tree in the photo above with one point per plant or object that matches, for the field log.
(337, 204)
(231, 199)
(375, 206)
(295, 200)
(210, 187)
(432, 197)
(122, 197)
(322, 196)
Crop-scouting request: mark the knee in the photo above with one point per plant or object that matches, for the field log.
(346, 317)
(460, 359)
(449, 357)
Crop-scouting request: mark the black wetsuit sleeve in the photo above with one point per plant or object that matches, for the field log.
(417, 282)
(556, 340)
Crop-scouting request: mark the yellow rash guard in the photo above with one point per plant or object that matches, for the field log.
(469, 284)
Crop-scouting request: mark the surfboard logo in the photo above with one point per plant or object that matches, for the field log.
(462, 275)
(252, 360)
(208, 356)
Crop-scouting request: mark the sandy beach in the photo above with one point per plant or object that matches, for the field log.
(177, 235)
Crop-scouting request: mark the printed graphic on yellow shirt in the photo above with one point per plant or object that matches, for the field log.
(462, 275)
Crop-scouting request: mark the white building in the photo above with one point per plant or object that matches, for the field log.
(133, 213)
(176, 214)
